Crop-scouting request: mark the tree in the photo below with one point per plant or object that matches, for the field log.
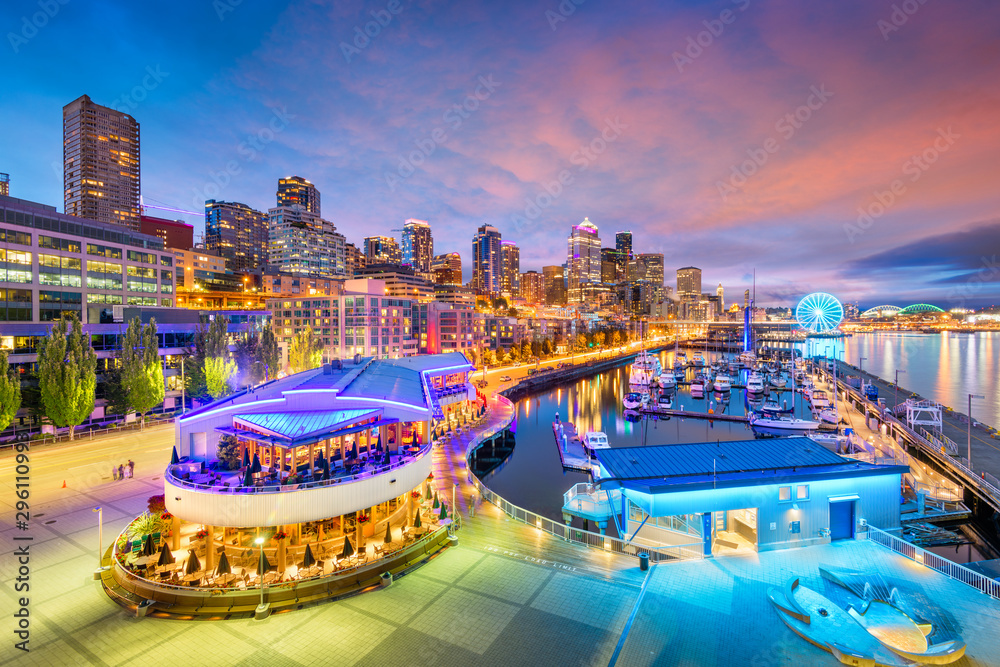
(245, 356)
(10, 392)
(581, 341)
(141, 371)
(471, 355)
(512, 312)
(218, 372)
(616, 338)
(67, 373)
(547, 347)
(500, 303)
(305, 352)
(489, 357)
(526, 349)
(228, 452)
(268, 354)
(115, 396)
(217, 337)
(599, 338)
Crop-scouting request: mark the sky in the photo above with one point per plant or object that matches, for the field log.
(849, 147)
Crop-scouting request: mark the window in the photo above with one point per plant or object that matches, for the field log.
(104, 251)
(53, 243)
(784, 493)
(802, 492)
(10, 236)
(15, 266)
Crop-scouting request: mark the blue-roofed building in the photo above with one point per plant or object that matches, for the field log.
(746, 495)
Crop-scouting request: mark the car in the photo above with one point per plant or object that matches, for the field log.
(505, 378)
(532, 371)
(564, 364)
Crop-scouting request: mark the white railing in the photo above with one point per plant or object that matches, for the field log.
(980, 582)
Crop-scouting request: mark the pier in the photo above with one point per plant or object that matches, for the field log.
(571, 452)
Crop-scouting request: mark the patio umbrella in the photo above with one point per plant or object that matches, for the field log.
(348, 548)
(428, 487)
(388, 534)
(173, 456)
(223, 567)
(326, 468)
(385, 461)
(444, 513)
(263, 565)
(248, 477)
(193, 564)
(255, 466)
(246, 458)
(354, 450)
(416, 520)
(308, 560)
(166, 558)
(436, 503)
(147, 546)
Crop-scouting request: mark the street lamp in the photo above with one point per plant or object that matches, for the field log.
(969, 432)
(100, 542)
(861, 364)
(262, 609)
(895, 397)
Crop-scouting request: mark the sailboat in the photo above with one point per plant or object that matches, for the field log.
(782, 425)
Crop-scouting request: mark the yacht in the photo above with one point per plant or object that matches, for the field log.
(665, 402)
(680, 371)
(667, 380)
(723, 383)
(829, 415)
(771, 408)
(595, 440)
(698, 386)
(778, 381)
(782, 425)
(645, 369)
(755, 383)
(632, 400)
(698, 359)
(832, 441)
(819, 399)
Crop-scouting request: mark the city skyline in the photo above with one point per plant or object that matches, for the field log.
(870, 113)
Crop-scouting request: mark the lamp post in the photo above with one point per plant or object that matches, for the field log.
(969, 432)
(861, 364)
(100, 542)
(183, 387)
(262, 609)
(895, 397)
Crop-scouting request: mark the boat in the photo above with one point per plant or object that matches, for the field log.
(645, 369)
(819, 399)
(770, 408)
(594, 440)
(698, 359)
(832, 441)
(632, 400)
(755, 383)
(777, 381)
(723, 383)
(680, 372)
(782, 425)
(829, 415)
(667, 380)
(665, 402)
(698, 386)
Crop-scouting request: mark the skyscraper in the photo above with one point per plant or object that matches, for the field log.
(554, 285)
(609, 266)
(486, 261)
(447, 269)
(302, 242)
(583, 260)
(418, 245)
(510, 266)
(297, 191)
(689, 283)
(623, 244)
(238, 233)
(100, 164)
(175, 233)
(652, 263)
(721, 294)
(5, 185)
(382, 250)
(354, 259)
(532, 287)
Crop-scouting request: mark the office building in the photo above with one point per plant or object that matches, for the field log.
(302, 242)
(447, 327)
(609, 266)
(354, 259)
(382, 250)
(237, 233)
(100, 164)
(457, 294)
(447, 269)
(359, 318)
(175, 233)
(583, 261)
(399, 281)
(5, 185)
(510, 268)
(721, 294)
(487, 266)
(554, 285)
(418, 245)
(689, 283)
(623, 245)
(532, 287)
(297, 191)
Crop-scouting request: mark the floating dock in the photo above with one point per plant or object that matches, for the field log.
(571, 452)
(672, 412)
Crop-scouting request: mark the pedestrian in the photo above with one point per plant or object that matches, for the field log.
(131, 468)
(121, 472)
(114, 472)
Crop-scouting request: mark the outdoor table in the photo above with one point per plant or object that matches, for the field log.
(412, 449)
(310, 572)
(141, 560)
(270, 577)
(190, 578)
(225, 579)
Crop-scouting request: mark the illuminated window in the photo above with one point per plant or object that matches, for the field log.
(784, 493)
(802, 492)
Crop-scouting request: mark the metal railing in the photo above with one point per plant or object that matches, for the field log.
(980, 582)
(119, 427)
(280, 488)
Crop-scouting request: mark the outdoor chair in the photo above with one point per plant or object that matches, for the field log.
(137, 547)
(156, 539)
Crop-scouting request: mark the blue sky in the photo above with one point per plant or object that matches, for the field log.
(729, 135)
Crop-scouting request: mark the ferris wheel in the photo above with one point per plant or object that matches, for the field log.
(819, 312)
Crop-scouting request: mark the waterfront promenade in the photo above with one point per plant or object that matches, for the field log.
(508, 594)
